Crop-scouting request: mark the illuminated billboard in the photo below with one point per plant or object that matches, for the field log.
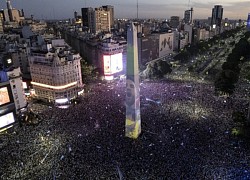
(7, 119)
(4, 96)
(107, 64)
(112, 63)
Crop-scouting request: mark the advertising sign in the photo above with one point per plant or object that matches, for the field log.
(4, 96)
(7, 119)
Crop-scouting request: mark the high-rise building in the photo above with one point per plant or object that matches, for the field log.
(98, 19)
(110, 9)
(8, 5)
(248, 22)
(217, 14)
(88, 19)
(188, 16)
(12, 14)
(102, 20)
(174, 21)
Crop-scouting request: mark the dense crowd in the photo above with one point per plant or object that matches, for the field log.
(186, 134)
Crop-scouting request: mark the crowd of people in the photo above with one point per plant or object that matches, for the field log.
(186, 134)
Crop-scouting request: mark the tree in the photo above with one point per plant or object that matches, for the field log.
(157, 69)
(89, 72)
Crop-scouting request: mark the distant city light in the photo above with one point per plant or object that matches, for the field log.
(9, 61)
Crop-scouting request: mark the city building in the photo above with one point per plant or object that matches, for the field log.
(1, 24)
(102, 20)
(55, 72)
(202, 34)
(12, 98)
(188, 30)
(180, 40)
(7, 105)
(248, 22)
(217, 15)
(16, 84)
(154, 46)
(88, 19)
(111, 55)
(188, 16)
(98, 20)
(110, 9)
(174, 21)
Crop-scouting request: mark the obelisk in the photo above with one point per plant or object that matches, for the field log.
(133, 116)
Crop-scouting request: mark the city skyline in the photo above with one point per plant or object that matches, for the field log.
(147, 9)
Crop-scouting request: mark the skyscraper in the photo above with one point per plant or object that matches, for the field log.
(88, 19)
(188, 16)
(102, 20)
(248, 22)
(217, 14)
(98, 19)
(9, 5)
(174, 21)
(110, 9)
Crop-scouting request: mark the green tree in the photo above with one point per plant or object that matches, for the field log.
(89, 72)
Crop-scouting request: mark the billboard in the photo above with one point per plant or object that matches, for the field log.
(107, 64)
(4, 96)
(165, 44)
(7, 119)
(112, 63)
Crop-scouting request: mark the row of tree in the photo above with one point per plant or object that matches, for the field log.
(203, 46)
(226, 79)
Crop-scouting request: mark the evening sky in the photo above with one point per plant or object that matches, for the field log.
(58, 9)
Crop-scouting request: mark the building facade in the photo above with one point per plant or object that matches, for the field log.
(248, 22)
(98, 20)
(110, 9)
(56, 74)
(111, 56)
(16, 84)
(102, 20)
(154, 46)
(174, 21)
(217, 15)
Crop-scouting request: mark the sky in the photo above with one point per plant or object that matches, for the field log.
(64, 9)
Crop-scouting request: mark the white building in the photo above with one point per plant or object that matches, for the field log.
(188, 29)
(180, 40)
(55, 72)
(16, 85)
(202, 34)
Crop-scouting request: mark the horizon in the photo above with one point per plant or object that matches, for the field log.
(128, 10)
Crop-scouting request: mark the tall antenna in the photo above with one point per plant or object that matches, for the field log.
(137, 10)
